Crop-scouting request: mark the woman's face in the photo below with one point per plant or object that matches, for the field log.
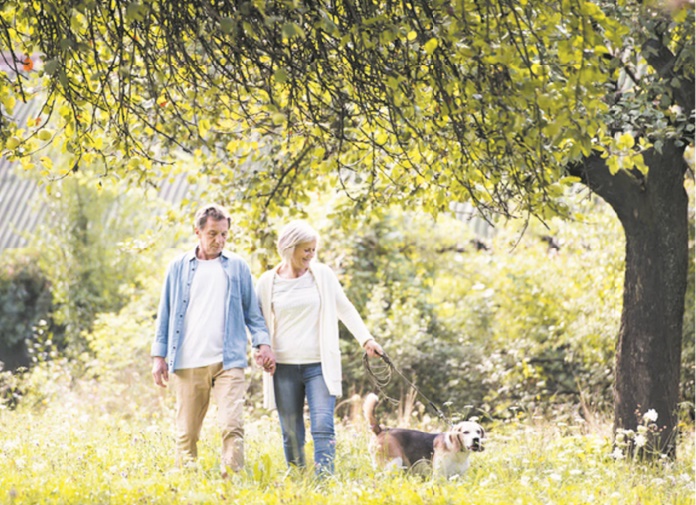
(303, 254)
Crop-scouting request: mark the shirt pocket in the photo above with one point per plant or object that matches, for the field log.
(234, 289)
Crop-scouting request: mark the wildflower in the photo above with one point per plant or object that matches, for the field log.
(641, 440)
(650, 416)
(617, 454)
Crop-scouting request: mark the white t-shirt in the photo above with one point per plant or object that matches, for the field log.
(296, 305)
(204, 322)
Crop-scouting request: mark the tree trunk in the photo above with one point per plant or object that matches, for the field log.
(654, 214)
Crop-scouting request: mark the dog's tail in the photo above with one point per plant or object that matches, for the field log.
(369, 405)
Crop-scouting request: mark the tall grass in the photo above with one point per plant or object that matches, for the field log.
(79, 448)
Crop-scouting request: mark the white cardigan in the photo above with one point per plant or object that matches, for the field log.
(334, 306)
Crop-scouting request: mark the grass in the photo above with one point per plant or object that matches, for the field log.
(82, 449)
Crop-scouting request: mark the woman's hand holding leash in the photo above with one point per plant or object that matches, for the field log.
(373, 349)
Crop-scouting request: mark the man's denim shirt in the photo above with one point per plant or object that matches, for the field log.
(241, 309)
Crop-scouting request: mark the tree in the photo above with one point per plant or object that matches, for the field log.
(502, 103)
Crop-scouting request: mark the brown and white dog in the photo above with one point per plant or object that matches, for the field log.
(447, 452)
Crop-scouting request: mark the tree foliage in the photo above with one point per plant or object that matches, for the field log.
(482, 101)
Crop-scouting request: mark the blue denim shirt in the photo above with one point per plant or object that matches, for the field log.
(241, 309)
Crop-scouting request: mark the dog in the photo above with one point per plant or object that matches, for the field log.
(447, 453)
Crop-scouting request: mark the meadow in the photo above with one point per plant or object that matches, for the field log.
(96, 444)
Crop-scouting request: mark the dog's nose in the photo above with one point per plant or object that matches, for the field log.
(476, 444)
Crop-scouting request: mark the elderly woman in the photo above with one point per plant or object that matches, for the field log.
(302, 302)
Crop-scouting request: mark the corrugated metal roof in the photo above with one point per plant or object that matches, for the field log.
(17, 210)
(21, 209)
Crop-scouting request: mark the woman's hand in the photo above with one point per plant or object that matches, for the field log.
(265, 358)
(372, 348)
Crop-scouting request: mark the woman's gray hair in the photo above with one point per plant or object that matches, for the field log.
(294, 233)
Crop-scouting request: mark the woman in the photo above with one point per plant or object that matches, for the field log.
(302, 302)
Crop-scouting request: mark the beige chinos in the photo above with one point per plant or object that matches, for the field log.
(193, 387)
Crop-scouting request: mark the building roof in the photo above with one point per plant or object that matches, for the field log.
(21, 209)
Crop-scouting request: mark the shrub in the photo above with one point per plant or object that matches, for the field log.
(25, 300)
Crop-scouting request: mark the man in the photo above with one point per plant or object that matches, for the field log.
(207, 300)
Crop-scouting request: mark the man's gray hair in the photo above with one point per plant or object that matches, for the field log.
(294, 233)
(217, 212)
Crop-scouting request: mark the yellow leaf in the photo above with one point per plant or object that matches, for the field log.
(412, 36)
(430, 46)
(639, 163)
(625, 142)
(8, 101)
(613, 164)
(12, 143)
(45, 135)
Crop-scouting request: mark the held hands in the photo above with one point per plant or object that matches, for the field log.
(372, 348)
(265, 358)
(159, 371)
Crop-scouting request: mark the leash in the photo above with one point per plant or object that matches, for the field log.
(382, 378)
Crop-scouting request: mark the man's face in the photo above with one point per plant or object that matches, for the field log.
(211, 238)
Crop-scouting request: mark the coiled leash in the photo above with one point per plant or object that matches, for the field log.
(382, 377)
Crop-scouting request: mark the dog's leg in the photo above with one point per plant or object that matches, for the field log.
(439, 465)
(447, 464)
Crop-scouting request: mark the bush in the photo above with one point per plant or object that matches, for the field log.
(487, 326)
(25, 300)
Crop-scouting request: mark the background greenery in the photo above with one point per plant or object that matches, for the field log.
(489, 320)
(513, 324)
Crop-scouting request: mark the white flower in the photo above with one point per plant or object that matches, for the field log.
(650, 416)
(617, 454)
(641, 440)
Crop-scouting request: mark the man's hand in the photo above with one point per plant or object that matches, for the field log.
(159, 371)
(373, 349)
(265, 358)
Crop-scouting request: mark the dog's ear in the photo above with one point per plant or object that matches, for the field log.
(483, 432)
(452, 441)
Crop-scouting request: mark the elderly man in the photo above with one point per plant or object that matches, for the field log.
(207, 300)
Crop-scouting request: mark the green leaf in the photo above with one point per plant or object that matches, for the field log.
(50, 67)
(292, 30)
(227, 24)
(280, 76)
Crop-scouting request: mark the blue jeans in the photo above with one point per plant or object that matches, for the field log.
(291, 383)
